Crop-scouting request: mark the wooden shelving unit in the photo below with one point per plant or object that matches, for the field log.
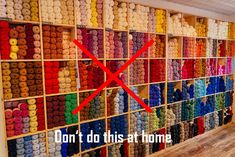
(192, 21)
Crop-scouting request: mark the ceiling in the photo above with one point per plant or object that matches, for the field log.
(226, 7)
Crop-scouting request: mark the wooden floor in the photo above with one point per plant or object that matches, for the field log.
(216, 143)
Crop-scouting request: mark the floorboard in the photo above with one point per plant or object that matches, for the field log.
(219, 142)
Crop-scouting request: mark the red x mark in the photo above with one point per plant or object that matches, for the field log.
(113, 76)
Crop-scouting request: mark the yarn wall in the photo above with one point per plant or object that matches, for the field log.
(186, 76)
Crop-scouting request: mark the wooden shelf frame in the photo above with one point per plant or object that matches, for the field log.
(105, 59)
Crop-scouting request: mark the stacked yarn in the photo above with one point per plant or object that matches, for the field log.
(174, 113)
(211, 47)
(210, 104)
(134, 105)
(60, 12)
(24, 117)
(51, 77)
(52, 42)
(80, 39)
(228, 99)
(156, 94)
(138, 17)
(92, 40)
(210, 67)
(139, 149)
(116, 44)
(211, 85)
(139, 122)
(51, 11)
(199, 107)
(229, 66)
(209, 122)
(67, 11)
(201, 27)
(85, 12)
(187, 110)
(221, 48)
(95, 109)
(22, 79)
(117, 102)
(157, 70)
(155, 147)
(6, 80)
(113, 66)
(94, 13)
(231, 48)
(185, 130)
(139, 72)
(157, 50)
(54, 148)
(98, 127)
(60, 77)
(13, 41)
(90, 75)
(177, 25)
(137, 41)
(173, 48)
(171, 117)
(98, 152)
(212, 29)
(120, 15)
(187, 90)
(182, 132)
(174, 23)
(220, 101)
(228, 115)
(200, 68)
(229, 83)
(160, 21)
(118, 125)
(118, 150)
(187, 69)
(4, 44)
(70, 105)
(174, 69)
(55, 111)
(157, 119)
(221, 68)
(69, 51)
(199, 126)
(34, 145)
(63, 149)
(188, 47)
(173, 94)
(200, 89)
(187, 29)
(67, 77)
(220, 84)
(231, 32)
(233, 67)
(89, 13)
(175, 133)
(200, 48)
(152, 20)
(25, 42)
(20, 10)
(109, 17)
(222, 30)
(59, 110)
